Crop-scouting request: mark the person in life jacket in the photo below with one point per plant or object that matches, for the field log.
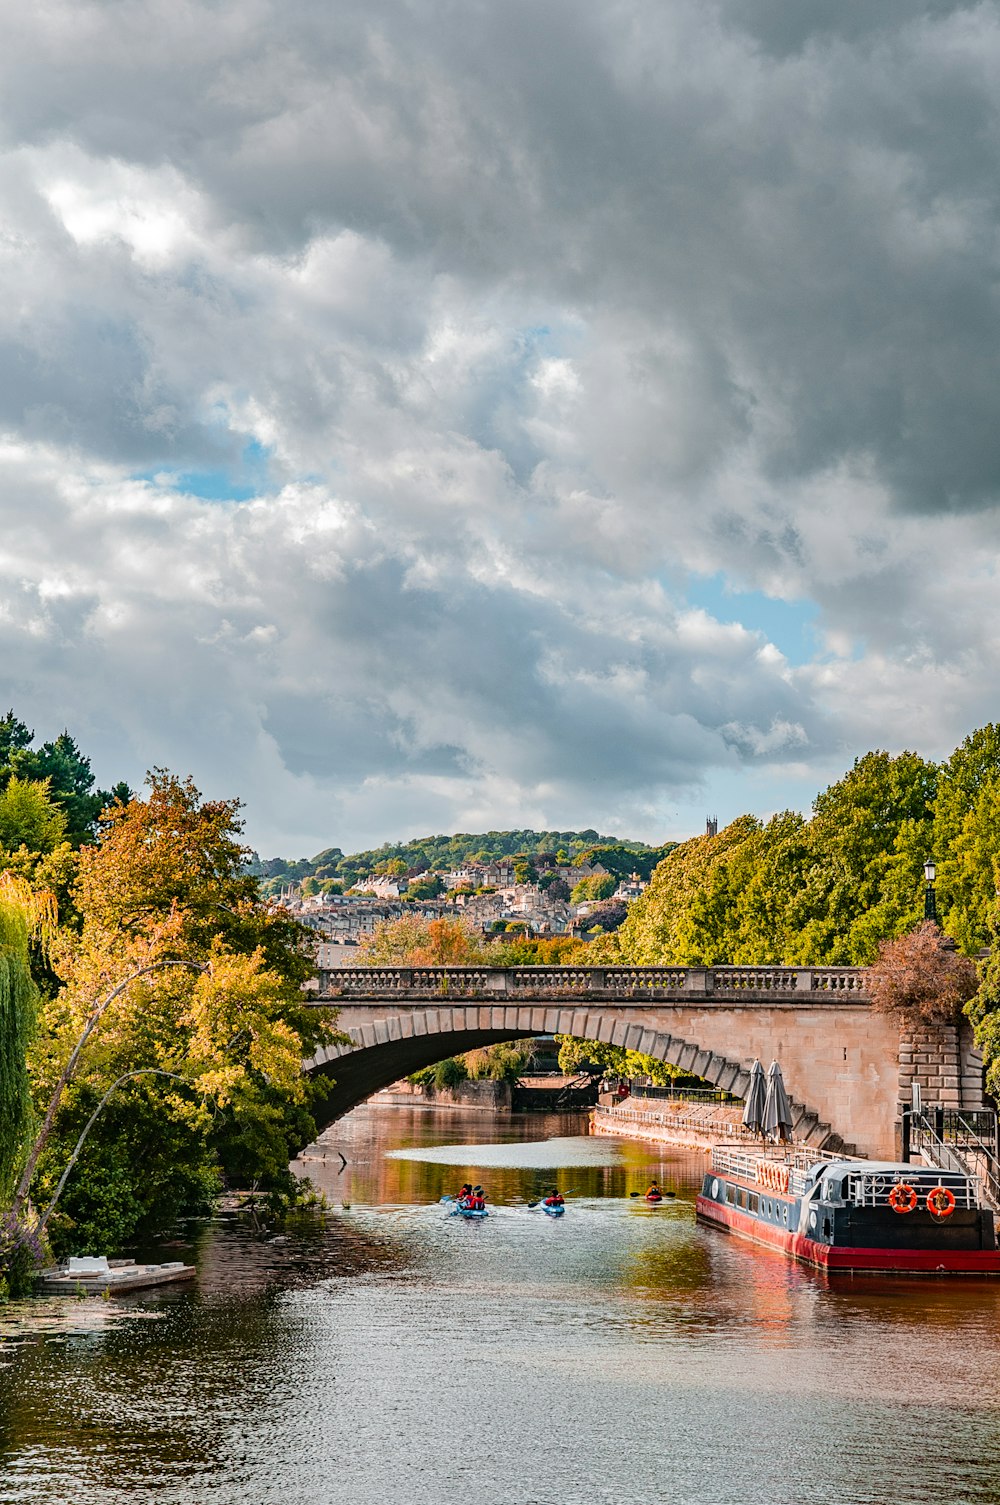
(653, 1191)
(554, 1198)
(465, 1193)
(477, 1201)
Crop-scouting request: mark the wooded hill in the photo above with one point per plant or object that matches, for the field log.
(442, 853)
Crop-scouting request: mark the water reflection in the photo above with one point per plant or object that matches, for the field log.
(621, 1352)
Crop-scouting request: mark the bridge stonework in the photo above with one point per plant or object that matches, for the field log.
(845, 1066)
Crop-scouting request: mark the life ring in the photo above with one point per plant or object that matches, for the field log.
(941, 1202)
(902, 1198)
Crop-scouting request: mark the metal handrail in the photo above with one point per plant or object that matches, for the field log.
(925, 1136)
(681, 1094)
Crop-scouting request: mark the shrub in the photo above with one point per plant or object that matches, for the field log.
(919, 978)
(449, 1073)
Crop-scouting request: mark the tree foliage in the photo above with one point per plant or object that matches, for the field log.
(441, 853)
(166, 884)
(792, 890)
(612, 1060)
(918, 978)
(26, 917)
(62, 767)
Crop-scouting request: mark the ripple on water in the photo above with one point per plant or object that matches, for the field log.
(624, 1355)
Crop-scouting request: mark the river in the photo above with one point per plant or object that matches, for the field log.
(390, 1353)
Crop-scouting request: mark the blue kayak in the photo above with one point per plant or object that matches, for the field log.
(553, 1212)
(459, 1209)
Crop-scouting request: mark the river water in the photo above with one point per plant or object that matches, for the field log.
(390, 1353)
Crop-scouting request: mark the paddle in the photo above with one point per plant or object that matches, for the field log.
(642, 1194)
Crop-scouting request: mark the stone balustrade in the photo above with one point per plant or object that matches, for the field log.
(724, 985)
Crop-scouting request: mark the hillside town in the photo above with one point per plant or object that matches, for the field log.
(533, 894)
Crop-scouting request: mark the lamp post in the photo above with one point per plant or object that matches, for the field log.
(930, 899)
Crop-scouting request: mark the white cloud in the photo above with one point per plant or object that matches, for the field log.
(536, 319)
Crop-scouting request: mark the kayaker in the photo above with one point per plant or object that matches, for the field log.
(477, 1199)
(653, 1192)
(465, 1193)
(554, 1198)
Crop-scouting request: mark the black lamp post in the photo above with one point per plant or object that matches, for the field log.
(930, 899)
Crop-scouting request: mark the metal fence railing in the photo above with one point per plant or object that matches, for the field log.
(963, 1142)
(681, 1094)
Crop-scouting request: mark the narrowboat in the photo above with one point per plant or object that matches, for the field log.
(851, 1215)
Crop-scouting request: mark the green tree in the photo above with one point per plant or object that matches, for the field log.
(966, 838)
(24, 917)
(612, 1060)
(29, 817)
(176, 966)
(597, 887)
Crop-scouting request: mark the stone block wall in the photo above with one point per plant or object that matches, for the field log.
(943, 1059)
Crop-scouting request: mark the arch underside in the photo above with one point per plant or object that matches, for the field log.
(386, 1050)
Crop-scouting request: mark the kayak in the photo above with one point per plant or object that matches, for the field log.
(655, 1197)
(553, 1212)
(458, 1209)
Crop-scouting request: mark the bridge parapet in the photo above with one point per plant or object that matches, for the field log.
(723, 985)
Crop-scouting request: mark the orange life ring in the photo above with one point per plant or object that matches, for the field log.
(903, 1198)
(941, 1202)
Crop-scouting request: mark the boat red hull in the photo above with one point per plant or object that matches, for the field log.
(829, 1257)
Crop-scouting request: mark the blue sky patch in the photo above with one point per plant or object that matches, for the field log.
(789, 625)
(224, 483)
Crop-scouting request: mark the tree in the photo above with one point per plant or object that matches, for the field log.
(612, 1060)
(207, 984)
(504, 1062)
(966, 837)
(26, 919)
(414, 941)
(607, 914)
(24, 916)
(63, 767)
(598, 887)
(919, 979)
(29, 817)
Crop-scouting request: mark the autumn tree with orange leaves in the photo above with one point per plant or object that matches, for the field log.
(206, 982)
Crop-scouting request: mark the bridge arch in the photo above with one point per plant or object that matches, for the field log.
(383, 1050)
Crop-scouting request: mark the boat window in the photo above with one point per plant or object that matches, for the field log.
(768, 1208)
(730, 1193)
(845, 1189)
(741, 1197)
(784, 1212)
(754, 1200)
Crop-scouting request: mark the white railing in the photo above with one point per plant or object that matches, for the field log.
(749, 1165)
(873, 1188)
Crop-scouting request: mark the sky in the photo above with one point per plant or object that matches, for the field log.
(434, 416)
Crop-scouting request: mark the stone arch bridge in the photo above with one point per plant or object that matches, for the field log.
(845, 1066)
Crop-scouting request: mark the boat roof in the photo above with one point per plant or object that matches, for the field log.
(879, 1168)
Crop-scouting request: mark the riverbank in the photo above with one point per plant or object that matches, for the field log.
(533, 1094)
(664, 1121)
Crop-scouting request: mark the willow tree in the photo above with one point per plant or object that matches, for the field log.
(24, 917)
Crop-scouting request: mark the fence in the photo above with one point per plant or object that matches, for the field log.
(680, 1094)
(962, 1142)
